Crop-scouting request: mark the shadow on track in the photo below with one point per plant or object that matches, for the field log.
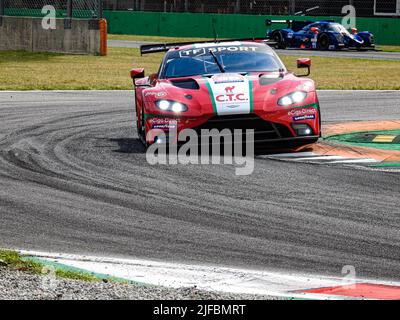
(129, 145)
(135, 146)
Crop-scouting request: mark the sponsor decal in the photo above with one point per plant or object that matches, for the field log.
(227, 78)
(302, 112)
(230, 98)
(198, 51)
(157, 94)
(192, 52)
(314, 41)
(306, 117)
(163, 123)
(229, 89)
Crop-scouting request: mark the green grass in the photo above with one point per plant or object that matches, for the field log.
(15, 261)
(389, 48)
(49, 71)
(22, 70)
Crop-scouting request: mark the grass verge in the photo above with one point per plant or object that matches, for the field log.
(389, 48)
(13, 260)
(22, 70)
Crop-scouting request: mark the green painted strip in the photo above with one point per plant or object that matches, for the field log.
(66, 268)
(312, 105)
(386, 165)
(353, 139)
(210, 91)
(251, 96)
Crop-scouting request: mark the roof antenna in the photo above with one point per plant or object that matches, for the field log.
(215, 31)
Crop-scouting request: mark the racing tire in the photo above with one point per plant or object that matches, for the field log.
(278, 38)
(141, 128)
(323, 42)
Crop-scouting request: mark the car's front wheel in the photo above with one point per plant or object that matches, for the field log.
(141, 128)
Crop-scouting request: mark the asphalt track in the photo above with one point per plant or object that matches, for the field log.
(74, 179)
(374, 55)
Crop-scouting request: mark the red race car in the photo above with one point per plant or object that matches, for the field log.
(227, 85)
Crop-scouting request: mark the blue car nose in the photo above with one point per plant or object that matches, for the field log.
(358, 39)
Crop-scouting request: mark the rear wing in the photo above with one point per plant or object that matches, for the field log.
(164, 47)
(269, 22)
(295, 25)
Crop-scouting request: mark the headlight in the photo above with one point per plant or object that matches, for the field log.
(292, 98)
(168, 105)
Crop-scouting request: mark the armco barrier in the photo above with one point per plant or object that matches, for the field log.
(386, 30)
(27, 33)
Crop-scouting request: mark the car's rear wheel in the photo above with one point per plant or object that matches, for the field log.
(278, 38)
(323, 42)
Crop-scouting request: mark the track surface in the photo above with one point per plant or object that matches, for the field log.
(74, 179)
(375, 55)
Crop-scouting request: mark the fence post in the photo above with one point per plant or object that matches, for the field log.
(100, 8)
(1, 12)
(292, 7)
(68, 19)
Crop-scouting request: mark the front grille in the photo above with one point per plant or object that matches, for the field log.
(263, 130)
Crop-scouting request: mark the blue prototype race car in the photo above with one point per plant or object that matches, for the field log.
(320, 35)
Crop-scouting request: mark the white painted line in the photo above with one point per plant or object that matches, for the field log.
(209, 278)
(319, 158)
(356, 161)
(290, 155)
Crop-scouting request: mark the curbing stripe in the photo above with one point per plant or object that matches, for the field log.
(222, 279)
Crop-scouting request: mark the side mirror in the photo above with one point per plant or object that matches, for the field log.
(137, 73)
(304, 63)
(314, 29)
(354, 30)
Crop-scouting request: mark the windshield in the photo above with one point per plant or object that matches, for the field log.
(212, 60)
(336, 27)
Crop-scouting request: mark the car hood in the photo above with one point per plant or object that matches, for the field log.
(229, 93)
